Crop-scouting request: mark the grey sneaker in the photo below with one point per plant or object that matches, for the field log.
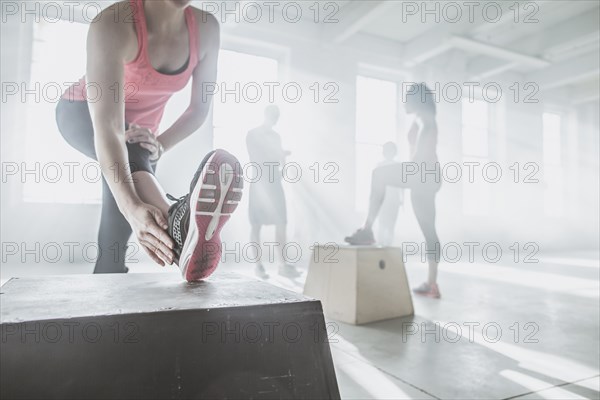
(362, 237)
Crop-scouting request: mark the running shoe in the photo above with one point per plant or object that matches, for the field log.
(362, 237)
(428, 290)
(196, 219)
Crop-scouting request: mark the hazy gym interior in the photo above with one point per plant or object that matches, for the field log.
(518, 93)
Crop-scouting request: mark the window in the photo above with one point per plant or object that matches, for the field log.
(553, 170)
(475, 147)
(245, 75)
(376, 123)
(58, 57)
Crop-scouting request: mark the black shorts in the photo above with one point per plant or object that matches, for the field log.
(75, 124)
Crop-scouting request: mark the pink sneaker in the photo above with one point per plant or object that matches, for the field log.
(428, 290)
(195, 220)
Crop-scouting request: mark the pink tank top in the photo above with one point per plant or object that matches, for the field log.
(146, 90)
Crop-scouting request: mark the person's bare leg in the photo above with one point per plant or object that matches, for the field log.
(424, 208)
(285, 269)
(281, 239)
(376, 198)
(423, 202)
(255, 241)
(382, 177)
(433, 272)
(150, 191)
(259, 269)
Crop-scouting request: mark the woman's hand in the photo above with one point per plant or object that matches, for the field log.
(149, 225)
(143, 136)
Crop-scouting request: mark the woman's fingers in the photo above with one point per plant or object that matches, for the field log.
(162, 221)
(152, 148)
(138, 136)
(156, 251)
(137, 127)
(152, 255)
(150, 227)
(139, 132)
(160, 249)
(133, 132)
(164, 240)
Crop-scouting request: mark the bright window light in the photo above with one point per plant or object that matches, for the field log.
(475, 117)
(233, 118)
(376, 108)
(58, 58)
(551, 143)
(553, 170)
(376, 124)
(475, 144)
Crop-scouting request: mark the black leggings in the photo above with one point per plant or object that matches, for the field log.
(75, 124)
(422, 195)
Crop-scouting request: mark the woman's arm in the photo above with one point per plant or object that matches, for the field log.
(205, 72)
(106, 56)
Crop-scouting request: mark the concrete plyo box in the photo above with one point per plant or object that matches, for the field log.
(359, 284)
(133, 336)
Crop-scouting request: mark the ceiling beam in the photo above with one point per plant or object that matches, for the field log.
(502, 53)
(508, 17)
(580, 45)
(569, 38)
(567, 72)
(586, 97)
(355, 16)
(485, 68)
(436, 40)
(561, 37)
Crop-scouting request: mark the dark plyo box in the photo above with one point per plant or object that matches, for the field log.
(155, 336)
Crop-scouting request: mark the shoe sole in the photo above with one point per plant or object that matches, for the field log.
(358, 243)
(430, 295)
(214, 198)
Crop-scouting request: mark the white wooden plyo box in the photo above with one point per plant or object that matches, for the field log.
(359, 284)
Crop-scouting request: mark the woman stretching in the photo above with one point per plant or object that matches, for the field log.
(138, 54)
(421, 176)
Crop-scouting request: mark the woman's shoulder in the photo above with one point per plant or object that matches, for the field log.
(205, 20)
(118, 18)
(116, 24)
(208, 31)
(119, 13)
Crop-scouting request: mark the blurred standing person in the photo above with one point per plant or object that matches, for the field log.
(267, 199)
(423, 139)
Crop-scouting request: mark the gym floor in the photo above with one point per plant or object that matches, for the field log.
(526, 331)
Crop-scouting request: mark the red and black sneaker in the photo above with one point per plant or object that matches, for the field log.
(196, 219)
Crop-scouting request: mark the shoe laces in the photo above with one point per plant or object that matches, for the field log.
(173, 198)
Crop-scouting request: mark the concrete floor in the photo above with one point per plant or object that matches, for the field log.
(548, 347)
